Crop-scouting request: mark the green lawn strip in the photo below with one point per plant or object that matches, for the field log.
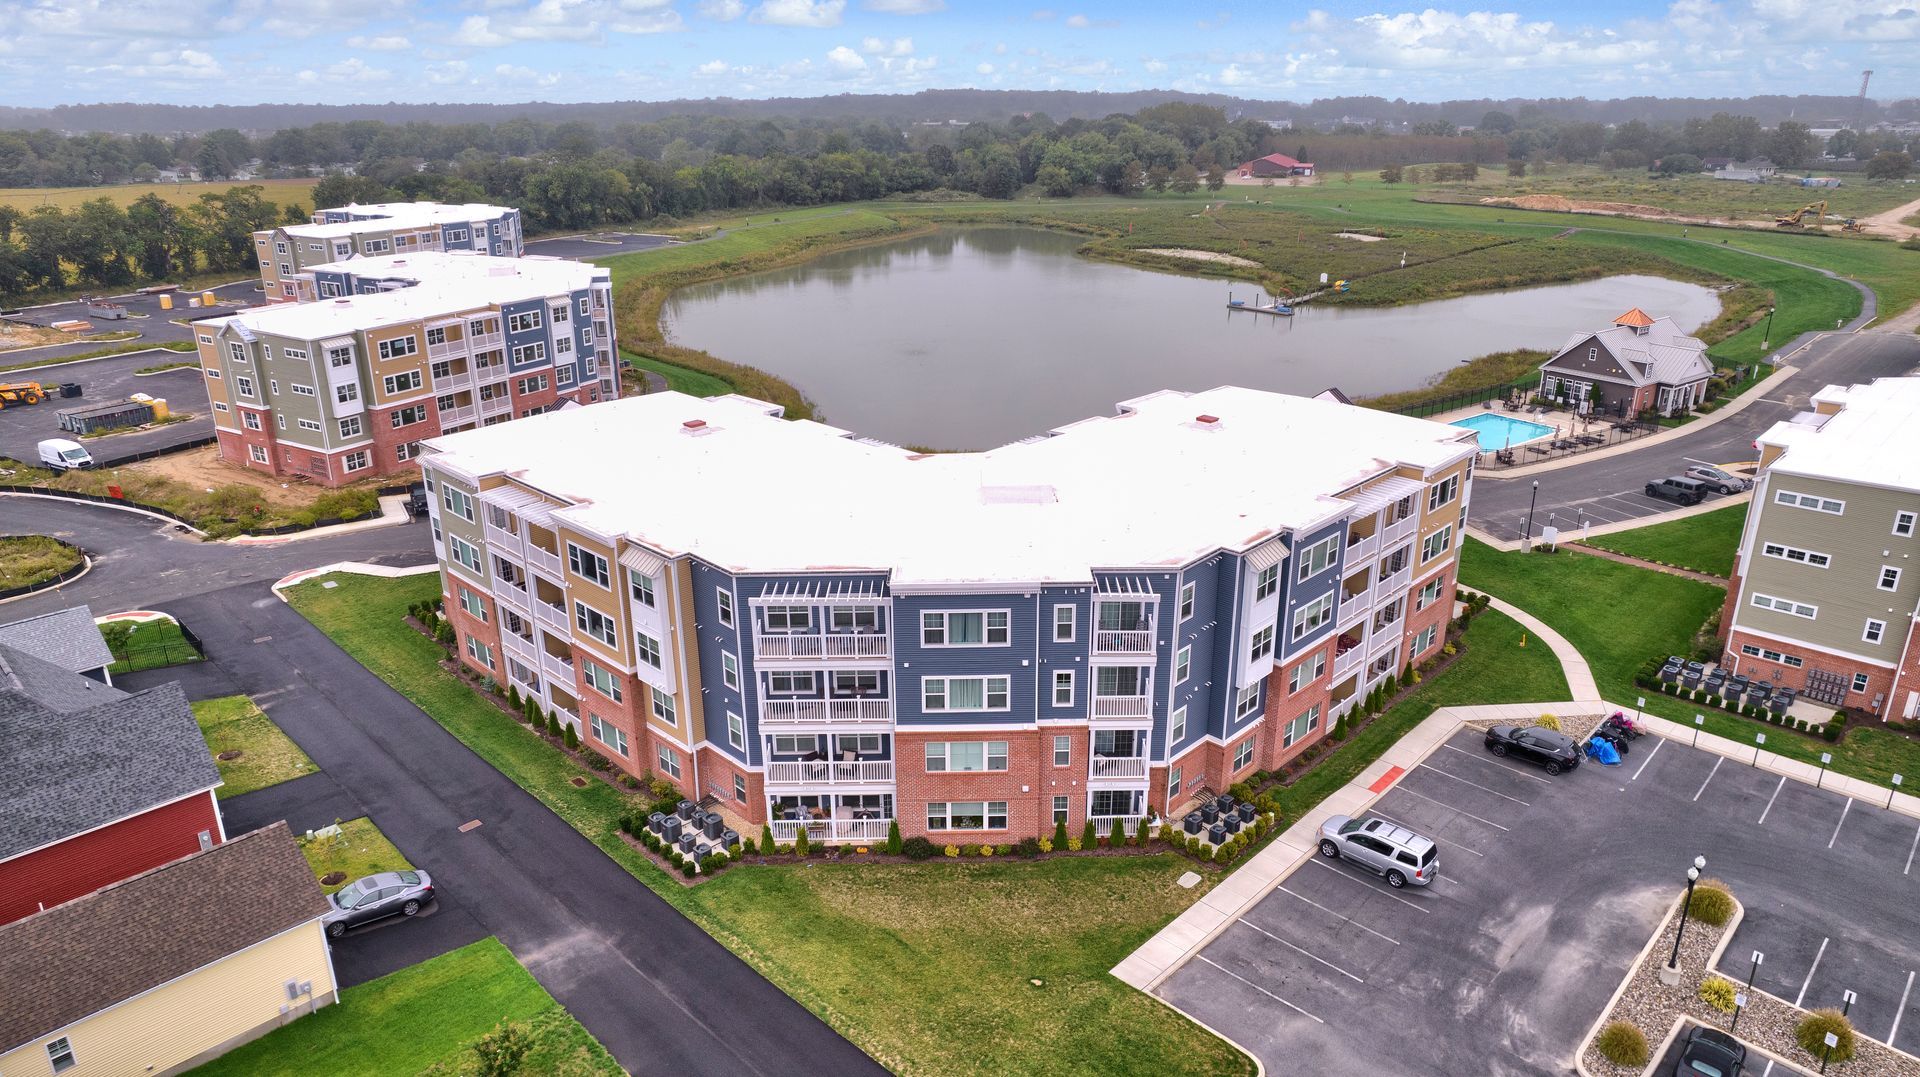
(1703, 543)
(871, 948)
(679, 378)
(358, 851)
(421, 1017)
(268, 756)
(151, 645)
(101, 353)
(29, 559)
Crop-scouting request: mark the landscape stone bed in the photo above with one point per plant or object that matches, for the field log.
(1577, 726)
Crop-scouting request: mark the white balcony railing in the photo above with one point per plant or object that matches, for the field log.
(1365, 547)
(1130, 642)
(1103, 824)
(1353, 609)
(1396, 581)
(784, 830)
(1400, 530)
(1118, 767)
(464, 414)
(788, 712)
(520, 647)
(831, 772)
(483, 341)
(544, 559)
(503, 539)
(1347, 661)
(496, 406)
(557, 668)
(1384, 639)
(1122, 706)
(551, 615)
(458, 379)
(823, 645)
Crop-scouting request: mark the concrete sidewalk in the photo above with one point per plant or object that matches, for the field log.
(1579, 675)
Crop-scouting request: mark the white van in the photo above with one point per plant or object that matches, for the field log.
(61, 454)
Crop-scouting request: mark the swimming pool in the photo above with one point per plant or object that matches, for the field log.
(1498, 431)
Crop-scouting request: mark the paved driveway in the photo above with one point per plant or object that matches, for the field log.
(596, 244)
(1548, 888)
(104, 381)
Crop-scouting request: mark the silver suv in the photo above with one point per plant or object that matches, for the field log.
(1395, 852)
(1718, 479)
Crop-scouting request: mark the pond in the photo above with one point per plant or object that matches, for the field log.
(975, 337)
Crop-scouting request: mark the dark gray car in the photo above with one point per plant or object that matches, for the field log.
(376, 897)
(1393, 852)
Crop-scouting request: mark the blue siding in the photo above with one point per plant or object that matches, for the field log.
(745, 618)
(1224, 657)
(716, 699)
(1211, 643)
(1016, 660)
(1296, 592)
(515, 340)
(1058, 656)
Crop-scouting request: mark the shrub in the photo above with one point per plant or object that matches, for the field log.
(1406, 676)
(596, 761)
(1339, 731)
(629, 781)
(800, 845)
(1003, 849)
(687, 868)
(1088, 839)
(1046, 845)
(571, 736)
(711, 863)
(1222, 854)
(1060, 834)
(1449, 650)
(1144, 833)
(1718, 992)
(1839, 720)
(513, 696)
(1712, 700)
(1812, 1031)
(893, 837)
(1712, 903)
(1029, 847)
(443, 633)
(1074, 845)
(986, 850)
(1830, 733)
(1547, 721)
(553, 724)
(766, 840)
(783, 849)
(917, 848)
(952, 850)
(501, 1053)
(1117, 836)
(1623, 1044)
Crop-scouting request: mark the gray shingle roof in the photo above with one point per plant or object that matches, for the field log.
(1663, 355)
(68, 638)
(76, 754)
(76, 959)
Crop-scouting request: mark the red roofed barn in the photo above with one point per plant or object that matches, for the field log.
(1275, 165)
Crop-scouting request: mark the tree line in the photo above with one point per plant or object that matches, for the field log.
(99, 244)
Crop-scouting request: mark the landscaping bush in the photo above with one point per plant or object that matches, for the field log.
(1117, 835)
(1029, 847)
(553, 724)
(629, 781)
(1839, 720)
(571, 736)
(986, 850)
(800, 846)
(1088, 839)
(1144, 834)
(1712, 903)
(1406, 675)
(1046, 845)
(969, 850)
(893, 837)
(1713, 700)
(766, 840)
(1339, 728)
(1830, 733)
(687, 868)
(1074, 845)
(1811, 1035)
(1060, 834)
(513, 697)
(1718, 992)
(1547, 721)
(711, 863)
(1002, 849)
(596, 761)
(1623, 1044)
(783, 850)
(443, 633)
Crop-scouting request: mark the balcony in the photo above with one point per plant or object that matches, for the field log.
(1103, 824)
(817, 645)
(500, 404)
(552, 616)
(798, 712)
(830, 772)
(456, 416)
(1393, 582)
(1113, 766)
(1349, 650)
(483, 341)
(835, 830)
(1359, 546)
(1400, 530)
(1386, 640)
(557, 668)
(1130, 642)
(1122, 706)
(547, 561)
(520, 647)
(1353, 609)
(500, 537)
(453, 380)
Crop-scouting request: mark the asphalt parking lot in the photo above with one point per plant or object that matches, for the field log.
(103, 381)
(1548, 887)
(596, 244)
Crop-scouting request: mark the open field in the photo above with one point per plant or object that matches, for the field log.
(360, 850)
(266, 756)
(29, 559)
(1703, 543)
(1698, 195)
(283, 191)
(425, 1019)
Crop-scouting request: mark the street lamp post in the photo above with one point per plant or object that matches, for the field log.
(1671, 974)
(1766, 337)
(1535, 500)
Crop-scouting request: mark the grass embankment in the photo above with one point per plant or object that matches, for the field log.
(1619, 615)
(925, 967)
(138, 645)
(26, 560)
(222, 512)
(680, 379)
(425, 1019)
(49, 361)
(358, 851)
(297, 192)
(1703, 543)
(267, 755)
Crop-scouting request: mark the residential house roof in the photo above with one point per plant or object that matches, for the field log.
(76, 959)
(67, 638)
(76, 754)
(1653, 351)
(1280, 159)
(1634, 317)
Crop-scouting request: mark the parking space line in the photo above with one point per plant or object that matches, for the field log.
(1662, 743)
(1703, 785)
(1841, 823)
(1257, 987)
(1410, 826)
(1910, 850)
(1776, 792)
(1302, 951)
(1476, 785)
(1497, 763)
(1822, 952)
(1444, 804)
(1374, 889)
(1342, 916)
(1900, 1010)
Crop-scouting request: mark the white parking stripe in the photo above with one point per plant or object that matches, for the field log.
(1357, 881)
(1900, 1010)
(1342, 916)
(1716, 769)
(1662, 743)
(1910, 850)
(1444, 804)
(1769, 807)
(1410, 826)
(1257, 987)
(1302, 951)
(1841, 823)
(1476, 785)
(1801, 997)
(1490, 761)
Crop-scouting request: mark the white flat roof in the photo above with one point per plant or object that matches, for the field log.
(1149, 487)
(1873, 440)
(397, 215)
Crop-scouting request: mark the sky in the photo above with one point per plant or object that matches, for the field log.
(351, 51)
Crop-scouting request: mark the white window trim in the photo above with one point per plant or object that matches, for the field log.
(944, 749)
(1319, 606)
(1782, 552)
(723, 602)
(1798, 500)
(1061, 678)
(1177, 726)
(1874, 632)
(1328, 548)
(1187, 604)
(730, 670)
(946, 629)
(946, 694)
(1071, 624)
(1059, 742)
(1881, 583)
(1785, 605)
(1908, 520)
(736, 731)
(1183, 664)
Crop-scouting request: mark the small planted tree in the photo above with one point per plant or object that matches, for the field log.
(893, 837)
(766, 840)
(1088, 839)
(571, 736)
(553, 724)
(1406, 675)
(1340, 728)
(1117, 834)
(513, 696)
(1060, 834)
(1143, 833)
(800, 844)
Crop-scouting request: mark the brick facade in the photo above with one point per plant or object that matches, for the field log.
(80, 865)
(1879, 677)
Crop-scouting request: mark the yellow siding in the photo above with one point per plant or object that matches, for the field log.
(384, 367)
(181, 1021)
(694, 719)
(216, 387)
(605, 599)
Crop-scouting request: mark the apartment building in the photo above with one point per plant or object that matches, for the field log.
(287, 254)
(400, 348)
(1825, 587)
(827, 632)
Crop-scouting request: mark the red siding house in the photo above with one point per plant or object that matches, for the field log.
(1275, 165)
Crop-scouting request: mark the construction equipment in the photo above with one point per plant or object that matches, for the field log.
(1852, 225)
(21, 392)
(1798, 218)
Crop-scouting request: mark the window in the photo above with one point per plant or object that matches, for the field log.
(404, 382)
(1430, 592)
(480, 652)
(788, 618)
(1063, 624)
(458, 502)
(1060, 809)
(258, 453)
(521, 323)
(1063, 688)
(1262, 644)
(1794, 553)
(1243, 755)
(1306, 672)
(787, 683)
(736, 730)
(1443, 492)
(564, 375)
(300, 390)
(282, 421)
(1424, 639)
(213, 373)
(729, 670)
(406, 451)
(663, 707)
(602, 680)
(588, 565)
(1312, 616)
(854, 619)
(1889, 578)
(967, 815)
(350, 427)
(60, 1053)
(1809, 501)
(594, 623)
(456, 235)
(1249, 700)
(1186, 601)
(244, 385)
(1301, 726)
(436, 336)
(642, 588)
(1860, 682)
(273, 384)
(1177, 726)
(473, 605)
(608, 734)
(964, 693)
(1903, 524)
(669, 761)
(559, 315)
(1062, 751)
(1875, 631)
(218, 406)
(1767, 655)
(1318, 557)
(347, 392)
(978, 629)
(1182, 664)
(725, 599)
(463, 553)
(856, 682)
(740, 788)
(1436, 544)
(1173, 785)
(965, 756)
(1783, 605)
(526, 355)
(791, 744)
(648, 648)
(377, 246)
(1266, 583)
(356, 461)
(310, 424)
(398, 348)
(250, 420)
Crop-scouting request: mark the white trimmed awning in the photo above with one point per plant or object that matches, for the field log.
(1383, 493)
(1267, 554)
(1124, 586)
(826, 592)
(642, 562)
(525, 504)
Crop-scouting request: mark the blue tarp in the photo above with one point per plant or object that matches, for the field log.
(1603, 752)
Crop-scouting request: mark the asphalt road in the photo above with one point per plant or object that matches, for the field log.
(105, 381)
(660, 993)
(596, 244)
(1609, 490)
(1548, 888)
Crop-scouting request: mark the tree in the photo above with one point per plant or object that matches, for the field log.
(1792, 145)
(1060, 835)
(1498, 123)
(1186, 178)
(1088, 839)
(893, 837)
(1678, 164)
(1054, 181)
(1000, 175)
(1843, 143)
(501, 1053)
(766, 840)
(1391, 174)
(1890, 166)
(335, 191)
(1517, 169)
(1216, 178)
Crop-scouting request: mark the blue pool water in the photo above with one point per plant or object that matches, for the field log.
(1497, 431)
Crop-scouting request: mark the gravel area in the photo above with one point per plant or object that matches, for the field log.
(1202, 256)
(1577, 726)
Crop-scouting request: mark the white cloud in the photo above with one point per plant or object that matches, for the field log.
(816, 13)
(984, 69)
(449, 73)
(350, 70)
(905, 7)
(711, 69)
(899, 46)
(1155, 66)
(566, 20)
(845, 61)
(1079, 22)
(720, 10)
(386, 43)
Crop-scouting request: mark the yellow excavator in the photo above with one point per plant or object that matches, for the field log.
(1798, 218)
(21, 392)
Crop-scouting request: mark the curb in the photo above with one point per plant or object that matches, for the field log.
(118, 507)
(86, 566)
(1712, 968)
(357, 568)
(51, 363)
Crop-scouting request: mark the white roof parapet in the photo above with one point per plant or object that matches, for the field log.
(1124, 586)
(818, 590)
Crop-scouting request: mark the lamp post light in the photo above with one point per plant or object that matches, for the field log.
(1766, 337)
(1671, 974)
(1535, 500)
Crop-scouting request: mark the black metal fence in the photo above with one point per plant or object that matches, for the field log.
(1469, 399)
(1571, 435)
(151, 454)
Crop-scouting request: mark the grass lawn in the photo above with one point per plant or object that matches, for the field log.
(1703, 543)
(26, 560)
(424, 1019)
(150, 645)
(360, 850)
(680, 379)
(1618, 616)
(871, 948)
(267, 756)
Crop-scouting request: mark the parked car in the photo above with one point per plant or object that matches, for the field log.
(1394, 852)
(1553, 750)
(62, 454)
(1709, 1052)
(1718, 479)
(1678, 488)
(376, 897)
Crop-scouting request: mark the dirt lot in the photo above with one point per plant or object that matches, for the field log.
(1562, 204)
(204, 469)
(17, 335)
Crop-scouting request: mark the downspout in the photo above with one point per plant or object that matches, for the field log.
(1893, 692)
